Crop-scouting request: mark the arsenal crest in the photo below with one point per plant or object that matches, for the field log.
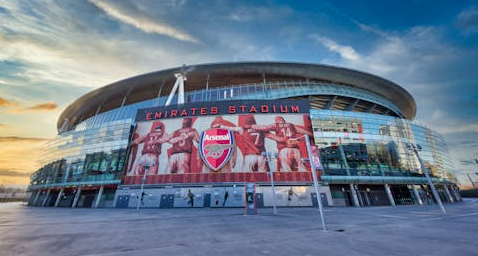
(216, 147)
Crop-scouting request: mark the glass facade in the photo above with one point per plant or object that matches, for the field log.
(93, 155)
(361, 144)
(352, 144)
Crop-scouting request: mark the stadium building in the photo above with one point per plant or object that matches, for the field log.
(192, 136)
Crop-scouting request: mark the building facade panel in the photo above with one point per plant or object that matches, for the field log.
(363, 139)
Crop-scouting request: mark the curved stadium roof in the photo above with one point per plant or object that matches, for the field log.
(146, 86)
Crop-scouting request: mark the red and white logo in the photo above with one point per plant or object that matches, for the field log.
(216, 147)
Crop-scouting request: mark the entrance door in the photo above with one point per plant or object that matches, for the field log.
(323, 199)
(259, 200)
(207, 200)
(167, 201)
(122, 201)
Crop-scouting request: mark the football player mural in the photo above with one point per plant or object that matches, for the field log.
(151, 149)
(224, 140)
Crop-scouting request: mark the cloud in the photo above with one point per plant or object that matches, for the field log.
(425, 65)
(38, 107)
(9, 139)
(458, 128)
(141, 22)
(345, 51)
(4, 172)
(2, 125)
(6, 103)
(437, 74)
(243, 49)
(467, 20)
(86, 50)
(254, 13)
(43, 107)
(19, 157)
(45, 53)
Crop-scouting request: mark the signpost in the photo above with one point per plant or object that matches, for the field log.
(271, 156)
(415, 149)
(314, 176)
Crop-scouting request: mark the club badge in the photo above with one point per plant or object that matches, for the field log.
(216, 147)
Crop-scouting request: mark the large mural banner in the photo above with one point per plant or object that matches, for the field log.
(229, 141)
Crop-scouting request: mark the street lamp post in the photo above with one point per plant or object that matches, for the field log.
(415, 149)
(314, 176)
(143, 180)
(472, 182)
(271, 156)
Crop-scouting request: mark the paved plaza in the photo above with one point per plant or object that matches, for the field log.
(401, 230)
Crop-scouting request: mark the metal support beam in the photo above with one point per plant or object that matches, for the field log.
(58, 198)
(354, 195)
(64, 126)
(36, 197)
(351, 106)
(98, 197)
(448, 195)
(66, 174)
(207, 89)
(45, 199)
(171, 94)
(344, 159)
(178, 86)
(124, 100)
(456, 193)
(98, 110)
(417, 195)
(330, 103)
(181, 89)
(159, 93)
(371, 108)
(389, 194)
(77, 197)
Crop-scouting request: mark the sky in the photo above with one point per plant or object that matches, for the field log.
(54, 51)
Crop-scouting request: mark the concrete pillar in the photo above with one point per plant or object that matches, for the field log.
(77, 197)
(448, 195)
(58, 198)
(417, 195)
(36, 197)
(98, 197)
(354, 195)
(389, 194)
(45, 199)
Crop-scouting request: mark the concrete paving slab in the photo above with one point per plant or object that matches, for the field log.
(401, 230)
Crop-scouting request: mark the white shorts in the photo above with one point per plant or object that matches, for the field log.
(255, 163)
(179, 163)
(290, 160)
